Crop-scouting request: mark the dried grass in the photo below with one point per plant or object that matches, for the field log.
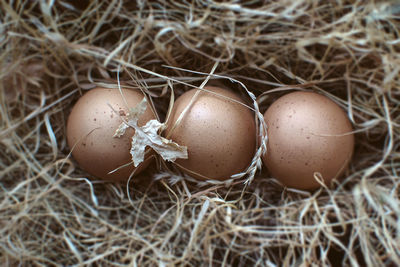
(52, 214)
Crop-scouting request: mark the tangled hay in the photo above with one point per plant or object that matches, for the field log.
(52, 51)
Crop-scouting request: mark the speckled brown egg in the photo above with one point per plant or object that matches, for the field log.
(90, 129)
(220, 134)
(308, 134)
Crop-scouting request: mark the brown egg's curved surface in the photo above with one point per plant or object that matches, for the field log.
(220, 134)
(90, 129)
(307, 133)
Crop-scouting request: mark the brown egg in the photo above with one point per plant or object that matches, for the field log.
(220, 134)
(307, 133)
(90, 129)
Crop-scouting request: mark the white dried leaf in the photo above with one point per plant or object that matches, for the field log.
(148, 136)
(136, 112)
(121, 130)
(133, 117)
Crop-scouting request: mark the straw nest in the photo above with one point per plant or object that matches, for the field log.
(52, 213)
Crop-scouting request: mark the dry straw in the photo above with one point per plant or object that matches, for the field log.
(52, 51)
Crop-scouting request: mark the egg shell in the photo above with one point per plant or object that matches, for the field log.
(307, 133)
(220, 134)
(90, 129)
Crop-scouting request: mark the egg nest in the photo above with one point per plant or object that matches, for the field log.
(53, 213)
